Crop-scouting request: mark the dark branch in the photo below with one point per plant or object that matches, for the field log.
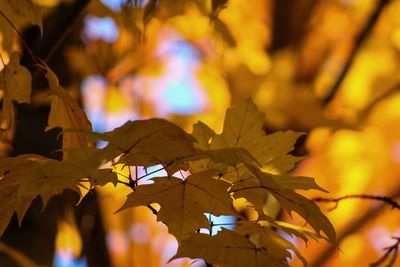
(360, 40)
(385, 199)
(391, 251)
(351, 228)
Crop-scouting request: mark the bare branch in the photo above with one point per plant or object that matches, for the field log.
(385, 199)
(391, 251)
(351, 228)
(360, 40)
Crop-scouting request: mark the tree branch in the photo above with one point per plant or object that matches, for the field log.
(359, 41)
(385, 199)
(351, 228)
(392, 250)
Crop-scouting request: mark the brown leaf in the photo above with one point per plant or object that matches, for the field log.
(264, 237)
(184, 202)
(27, 176)
(149, 142)
(15, 82)
(26, 9)
(65, 113)
(257, 192)
(229, 249)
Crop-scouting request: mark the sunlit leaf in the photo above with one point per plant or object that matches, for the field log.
(289, 200)
(264, 237)
(184, 202)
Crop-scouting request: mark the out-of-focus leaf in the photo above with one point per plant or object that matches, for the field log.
(65, 112)
(15, 82)
(27, 9)
(218, 5)
(223, 30)
(22, 10)
(184, 202)
(149, 10)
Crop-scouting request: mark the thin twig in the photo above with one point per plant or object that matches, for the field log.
(79, 14)
(390, 251)
(150, 173)
(360, 40)
(351, 228)
(130, 185)
(386, 199)
(153, 210)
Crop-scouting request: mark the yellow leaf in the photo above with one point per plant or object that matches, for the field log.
(184, 202)
(271, 241)
(258, 191)
(243, 127)
(299, 231)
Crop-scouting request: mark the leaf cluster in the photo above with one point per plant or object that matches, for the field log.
(239, 163)
(235, 164)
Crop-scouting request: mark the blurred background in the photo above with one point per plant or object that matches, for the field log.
(328, 68)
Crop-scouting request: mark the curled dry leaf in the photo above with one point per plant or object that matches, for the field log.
(16, 84)
(65, 112)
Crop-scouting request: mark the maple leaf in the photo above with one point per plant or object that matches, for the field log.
(27, 176)
(65, 112)
(257, 191)
(202, 133)
(299, 231)
(243, 128)
(15, 82)
(264, 237)
(184, 201)
(149, 142)
(231, 249)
